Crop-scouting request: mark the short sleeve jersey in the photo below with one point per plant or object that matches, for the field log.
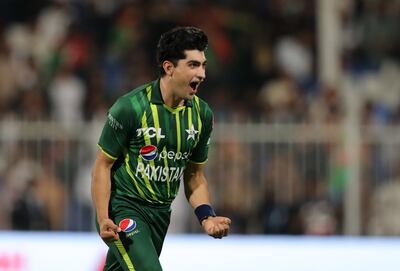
(152, 143)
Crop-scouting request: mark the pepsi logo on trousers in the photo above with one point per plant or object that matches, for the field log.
(127, 225)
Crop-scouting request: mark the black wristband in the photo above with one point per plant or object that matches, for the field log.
(204, 211)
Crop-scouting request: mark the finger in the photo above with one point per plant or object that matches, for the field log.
(111, 230)
(227, 227)
(114, 227)
(116, 230)
(224, 230)
(217, 235)
(115, 236)
(224, 220)
(227, 221)
(211, 231)
(218, 231)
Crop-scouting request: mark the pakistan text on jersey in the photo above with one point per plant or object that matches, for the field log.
(159, 173)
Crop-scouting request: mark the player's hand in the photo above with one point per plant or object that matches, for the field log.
(108, 230)
(216, 227)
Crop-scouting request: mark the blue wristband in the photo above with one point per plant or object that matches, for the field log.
(204, 211)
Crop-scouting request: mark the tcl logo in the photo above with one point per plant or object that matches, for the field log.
(12, 262)
(150, 132)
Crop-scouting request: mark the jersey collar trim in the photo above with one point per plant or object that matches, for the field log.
(156, 97)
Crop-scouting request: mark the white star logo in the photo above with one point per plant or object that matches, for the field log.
(191, 133)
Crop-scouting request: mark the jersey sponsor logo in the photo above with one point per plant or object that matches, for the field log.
(171, 155)
(150, 132)
(159, 173)
(127, 225)
(148, 152)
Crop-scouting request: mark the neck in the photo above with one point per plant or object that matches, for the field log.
(167, 93)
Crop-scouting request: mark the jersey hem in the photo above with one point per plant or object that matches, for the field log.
(199, 163)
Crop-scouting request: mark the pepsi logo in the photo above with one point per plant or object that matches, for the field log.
(127, 225)
(148, 152)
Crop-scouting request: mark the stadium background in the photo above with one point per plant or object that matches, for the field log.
(306, 97)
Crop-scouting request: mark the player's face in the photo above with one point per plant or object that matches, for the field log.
(189, 73)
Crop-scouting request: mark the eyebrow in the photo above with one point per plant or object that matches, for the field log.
(197, 62)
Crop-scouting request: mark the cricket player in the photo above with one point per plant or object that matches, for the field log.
(154, 137)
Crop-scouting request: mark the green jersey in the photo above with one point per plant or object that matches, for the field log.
(151, 144)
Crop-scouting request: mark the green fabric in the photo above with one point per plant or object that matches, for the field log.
(143, 243)
(140, 118)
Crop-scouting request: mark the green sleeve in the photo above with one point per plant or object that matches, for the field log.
(200, 152)
(115, 136)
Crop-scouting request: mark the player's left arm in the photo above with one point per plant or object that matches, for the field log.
(196, 190)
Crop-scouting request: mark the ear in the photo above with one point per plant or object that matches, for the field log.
(168, 67)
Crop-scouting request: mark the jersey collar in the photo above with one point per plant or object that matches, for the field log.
(156, 97)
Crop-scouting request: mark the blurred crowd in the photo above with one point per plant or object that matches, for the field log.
(69, 60)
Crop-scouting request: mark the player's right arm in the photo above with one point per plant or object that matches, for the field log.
(101, 191)
(113, 140)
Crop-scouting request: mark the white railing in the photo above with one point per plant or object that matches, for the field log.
(257, 172)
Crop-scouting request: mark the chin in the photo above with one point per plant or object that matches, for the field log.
(190, 96)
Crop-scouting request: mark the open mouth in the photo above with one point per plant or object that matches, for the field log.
(194, 85)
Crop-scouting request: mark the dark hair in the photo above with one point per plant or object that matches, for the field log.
(172, 44)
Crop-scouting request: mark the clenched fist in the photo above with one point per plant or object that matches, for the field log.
(108, 230)
(216, 227)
